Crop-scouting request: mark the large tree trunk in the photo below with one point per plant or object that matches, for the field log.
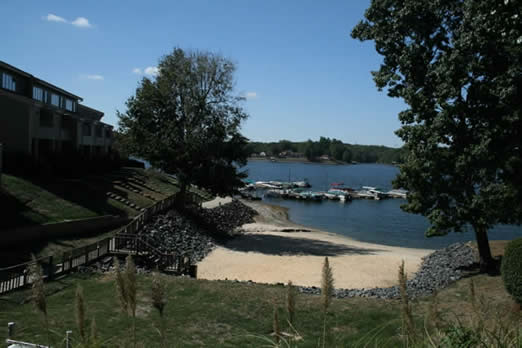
(487, 263)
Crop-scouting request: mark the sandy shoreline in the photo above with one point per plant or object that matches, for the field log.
(275, 250)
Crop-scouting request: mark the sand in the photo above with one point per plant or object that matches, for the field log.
(275, 250)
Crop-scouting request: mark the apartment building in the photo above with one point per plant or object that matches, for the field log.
(39, 118)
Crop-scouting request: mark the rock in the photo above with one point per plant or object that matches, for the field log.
(438, 270)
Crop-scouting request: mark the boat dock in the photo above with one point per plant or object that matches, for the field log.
(299, 190)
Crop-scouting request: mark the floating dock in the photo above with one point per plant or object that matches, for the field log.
(299, 190)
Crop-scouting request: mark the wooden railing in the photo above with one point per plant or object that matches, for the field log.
(125, 241)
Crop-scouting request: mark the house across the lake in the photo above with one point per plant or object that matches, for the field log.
(38, 118)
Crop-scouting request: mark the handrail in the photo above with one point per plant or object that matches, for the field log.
(16, 276)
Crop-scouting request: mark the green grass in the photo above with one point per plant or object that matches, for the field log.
(36, 202)
(229, 314)
(32, 202)
(200, 313)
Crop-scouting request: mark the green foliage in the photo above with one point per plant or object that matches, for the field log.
(334, 148)
(458, 66)
(460, 337)
(186, 121)
(512, 269)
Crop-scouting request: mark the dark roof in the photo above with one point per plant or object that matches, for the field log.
(88, 112)
(42, 82)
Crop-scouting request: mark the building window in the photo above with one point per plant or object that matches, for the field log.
(99, 131)
(86, 131)
(108, 133)
(69, 105)
(55, 99)
(38, 94)
(8, 82)
(45, 96)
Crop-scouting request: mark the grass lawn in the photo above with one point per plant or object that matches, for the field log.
(29, 203)
(229, 314)
(32, 202)
(202, 313)
(35, 202)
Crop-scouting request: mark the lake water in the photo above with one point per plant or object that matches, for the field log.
(371, 221)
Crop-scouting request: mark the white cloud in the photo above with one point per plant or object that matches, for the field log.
(251, 95)
(94, 77)
(54, 18)
(81, 22)
(136, 71)
(151, 70)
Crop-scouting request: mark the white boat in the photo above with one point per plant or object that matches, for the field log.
(376, 192)
(331, 196)
(339, 194)
(303, 183)
(267, 185)
(275, 193)
(399, 193)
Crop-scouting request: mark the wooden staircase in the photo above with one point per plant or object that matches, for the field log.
(143, 247)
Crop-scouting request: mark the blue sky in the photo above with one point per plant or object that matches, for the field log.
(304, 76)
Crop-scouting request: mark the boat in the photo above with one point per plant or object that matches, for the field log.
(399, 193)
(267, 185)
(376, 192)
(304, 183)
(340, 195)
(308, 195)
(331, 196)
(340, 186)
(276, 193)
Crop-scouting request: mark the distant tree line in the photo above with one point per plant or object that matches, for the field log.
(333, 148)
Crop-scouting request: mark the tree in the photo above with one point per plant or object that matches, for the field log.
(347, 156)
(309, 150)
(286, 145)
(336, 149)
(457, 64)
(186, 121)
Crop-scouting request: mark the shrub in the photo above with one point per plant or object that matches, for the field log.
(512, 269)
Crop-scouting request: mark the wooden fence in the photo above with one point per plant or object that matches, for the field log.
(126, 241)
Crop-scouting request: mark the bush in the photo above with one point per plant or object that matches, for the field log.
(512, 269)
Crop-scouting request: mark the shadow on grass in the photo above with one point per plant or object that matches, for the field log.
(22, 252)
(16, 213)
(279, 245)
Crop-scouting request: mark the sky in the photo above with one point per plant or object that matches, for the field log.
(302, 74)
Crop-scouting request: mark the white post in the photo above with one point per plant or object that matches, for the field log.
(10, 329)
(68, 339)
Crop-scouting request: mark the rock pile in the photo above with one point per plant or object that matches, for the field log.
(226, 218)
(175, 233)
(437, 271)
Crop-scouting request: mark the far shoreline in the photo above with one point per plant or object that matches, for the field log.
(307, 161)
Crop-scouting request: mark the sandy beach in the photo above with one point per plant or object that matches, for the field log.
(275, 250)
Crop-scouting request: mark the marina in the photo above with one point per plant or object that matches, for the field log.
(300, 190)
(364, 218)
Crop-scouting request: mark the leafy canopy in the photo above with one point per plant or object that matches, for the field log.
(457, 64)
(187, 121)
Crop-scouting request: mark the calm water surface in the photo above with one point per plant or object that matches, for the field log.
(372, 221)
